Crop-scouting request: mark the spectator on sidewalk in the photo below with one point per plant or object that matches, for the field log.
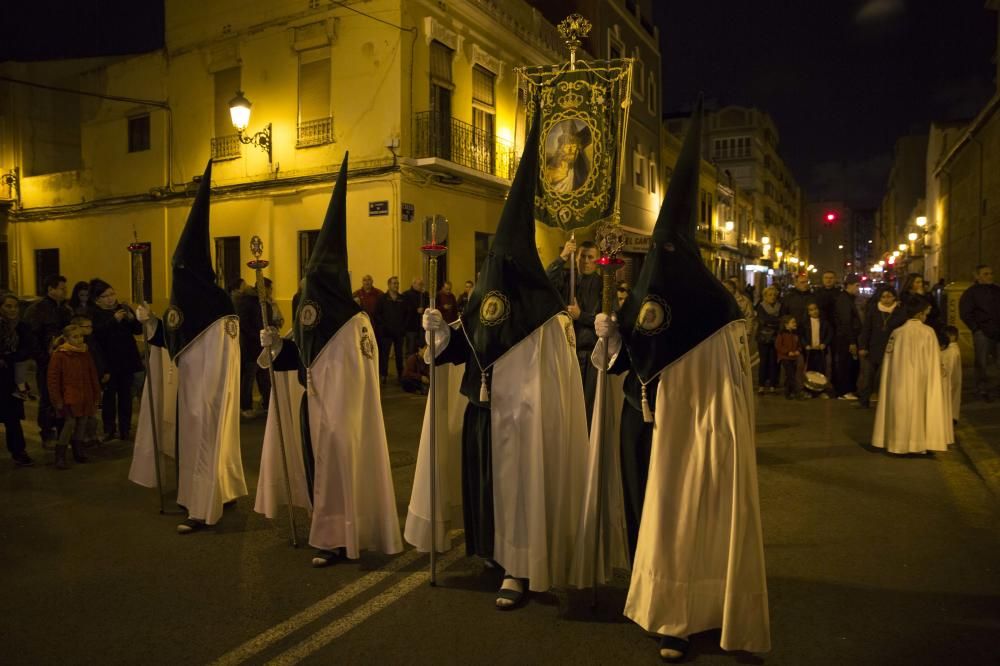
(416, 302)
(788, 349)
(951, 360)
(826, 297)
(732, 285)
(114, 331)
(47, 318)
(979, 308)
(16, 347)
(796, 301)
(883, 317)
(390, 323)
(817, 338)
(768, 327)
(447, 303)
(367, 297)
(622, 292)
(416, 373)
(463, 299)
(75, 391)
(79, 300)
(914, 288)
(844, 350)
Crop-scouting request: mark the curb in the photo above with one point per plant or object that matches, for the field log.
(981, 454)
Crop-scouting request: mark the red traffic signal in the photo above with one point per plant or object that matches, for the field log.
(830, 217)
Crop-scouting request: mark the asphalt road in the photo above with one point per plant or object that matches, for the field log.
(870, 559)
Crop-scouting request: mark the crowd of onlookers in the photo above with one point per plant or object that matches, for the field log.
(829, 341)
(86, 361)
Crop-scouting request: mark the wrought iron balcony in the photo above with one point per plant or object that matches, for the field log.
(314, 133)
(438, 135)
(226, 147)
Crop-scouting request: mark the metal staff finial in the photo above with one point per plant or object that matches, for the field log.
(572, 29)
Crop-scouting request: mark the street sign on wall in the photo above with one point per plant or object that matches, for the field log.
(378, 208)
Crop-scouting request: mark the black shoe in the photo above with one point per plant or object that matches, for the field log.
(22, 459)
(108, 436)
(190, 525)
(673, 649)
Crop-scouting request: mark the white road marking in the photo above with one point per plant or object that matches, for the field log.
(341, 626)
(264, 640)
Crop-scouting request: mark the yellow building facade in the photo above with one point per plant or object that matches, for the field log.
(421, 93)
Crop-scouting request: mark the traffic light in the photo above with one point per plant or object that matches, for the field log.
(830, 218)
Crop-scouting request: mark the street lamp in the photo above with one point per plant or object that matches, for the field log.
(239, 112)
(895, 253)
(729, 226)
(912, 236)
(921, 221)
(902, 247)
(765, 240)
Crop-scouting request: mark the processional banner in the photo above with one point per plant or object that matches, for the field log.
(584, 115)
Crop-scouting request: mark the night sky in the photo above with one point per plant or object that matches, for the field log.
(841, 78)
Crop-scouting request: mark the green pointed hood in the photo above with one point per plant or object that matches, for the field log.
(677, 303)
(196, 300)
(513, 296)
(326, 301)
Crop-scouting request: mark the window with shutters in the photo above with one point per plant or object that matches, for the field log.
(138, 133)
(307, 243)
(46, 264)
(483, 119)
(225, 143)
(315, 126)
(228, 268)
(442, 85)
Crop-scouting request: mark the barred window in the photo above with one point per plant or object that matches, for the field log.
(483, 84)
(441, 57)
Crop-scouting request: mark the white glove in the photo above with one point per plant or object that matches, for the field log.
(143, 314)
(434, 324)
(606, 329)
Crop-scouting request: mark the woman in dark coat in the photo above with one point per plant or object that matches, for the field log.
(914, 288)
(115, 328)
(79, 300)
(16, 346)
(768, 326)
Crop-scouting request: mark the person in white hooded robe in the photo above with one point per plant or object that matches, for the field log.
(328, 398)
(524, 435)
(914, 409)
(194, 385)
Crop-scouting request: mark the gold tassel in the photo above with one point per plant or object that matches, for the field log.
(484, 393)
(647, 414)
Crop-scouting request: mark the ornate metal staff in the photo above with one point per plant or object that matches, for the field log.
(610, 241)
(435, 233)
(136, 249)
(258, 265)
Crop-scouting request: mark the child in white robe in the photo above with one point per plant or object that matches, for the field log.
(951, 360)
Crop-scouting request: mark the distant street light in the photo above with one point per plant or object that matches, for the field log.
(902, 247)
(912, 236)
(921, 222)
(895, 253)
(840, 247)
(729, 226)
(765, 240)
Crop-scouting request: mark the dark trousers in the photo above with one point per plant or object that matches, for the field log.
(414, 340)
(250, 371)
(385, 343)
(414, 386)
(48, 421)
(477, 482)
(589, 375)
(117, 401)
(844, 367)
(985, 349)
(768, 364)
(636, 447)
(870, 375)
(791, 370)
(13, 434)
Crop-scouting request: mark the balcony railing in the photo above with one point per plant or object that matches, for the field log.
(438, 135)
(226, 147)
(314, 133)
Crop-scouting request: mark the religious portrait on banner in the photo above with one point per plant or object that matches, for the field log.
(569, 155)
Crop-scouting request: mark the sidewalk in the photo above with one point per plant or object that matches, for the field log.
(978, 433)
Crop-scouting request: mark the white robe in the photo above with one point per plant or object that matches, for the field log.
(207, 423)
(613, 551)
(353, 503)
(450, 411)
(951, 360)
(914, 409)
(699, 560)
(162, 375)
(538, 428)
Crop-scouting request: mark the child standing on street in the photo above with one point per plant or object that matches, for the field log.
(789, 349)
(951, 359)
(74, 387)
